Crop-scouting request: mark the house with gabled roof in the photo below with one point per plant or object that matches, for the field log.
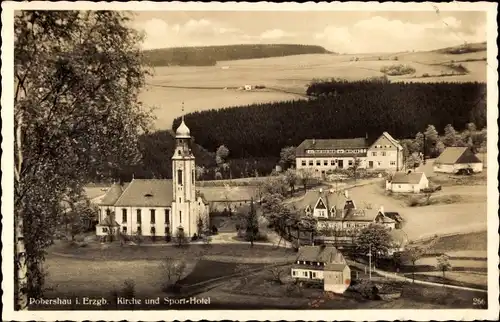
(323, 155)
(456, 158)
(322, 264)
(407, 182)
(155, 207)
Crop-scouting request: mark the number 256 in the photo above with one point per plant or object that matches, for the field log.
(478, 301)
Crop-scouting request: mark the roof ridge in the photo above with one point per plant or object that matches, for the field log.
(123, 192)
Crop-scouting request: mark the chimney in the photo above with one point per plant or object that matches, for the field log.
(381, 210)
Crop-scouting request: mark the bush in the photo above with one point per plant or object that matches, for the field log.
(366, 289)
(397, 70)
(195, 237)
(79, 238)
(414, 201)
(128, 289)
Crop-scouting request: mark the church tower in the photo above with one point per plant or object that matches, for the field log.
(184, 210)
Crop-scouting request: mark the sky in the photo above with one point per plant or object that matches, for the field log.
(338, 31)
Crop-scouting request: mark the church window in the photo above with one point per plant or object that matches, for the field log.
(139, 217)
(180, 216)
(179, 177)
(192, 177)
(124, 215)
(179, 152)
(180, 200)
(167, 216)
(153, 219)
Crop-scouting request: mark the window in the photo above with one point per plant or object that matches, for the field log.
(303, 163)
(305, 274)
(124, 229)
(318, 162)
(379, 163)
(383, 154)
(153, 230)
(350, 162)
(180, 200)
(153, 219)
(374, 154)
(393, 162)
(311, 163)
(108, 212)
(332, 162)
(124, 215)
(293, 273)
(325, 162)
(167, 216)
(104, 229)
(314, 274)
(179, 177)
(180, 216)
(139, 216)
(192, 177)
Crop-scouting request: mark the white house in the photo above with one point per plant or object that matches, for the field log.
(455, 158)
(311, 261)
(156, 207)
(337, 277)
(407, 182)
(322, 155)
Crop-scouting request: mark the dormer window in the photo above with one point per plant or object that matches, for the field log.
(148, 195)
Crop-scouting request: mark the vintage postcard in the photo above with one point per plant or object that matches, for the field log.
(249, 161)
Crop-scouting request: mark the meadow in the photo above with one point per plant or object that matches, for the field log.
(286, 78)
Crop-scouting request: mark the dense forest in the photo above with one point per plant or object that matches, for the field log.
(156, 152)
(210, 55)
(339, 109)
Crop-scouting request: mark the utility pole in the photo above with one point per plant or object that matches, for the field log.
(424, 148)
(370, 261)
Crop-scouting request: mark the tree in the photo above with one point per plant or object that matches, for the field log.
(180, 237)
(252, 223)
(200, 171)
(76, 116)
(443, 264)
(431, 137)
(308, 223)
(221, 155)
(419, 142)
(291, 178)
(412, 255)
(173, 270)
(277, 272)
(450, 136)
(355, 166)
(376, 238)
(305, 177)
(287, 157)
(412, 160)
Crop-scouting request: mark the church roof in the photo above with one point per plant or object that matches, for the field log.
(112, 195)
(183, 131)
(147, 193)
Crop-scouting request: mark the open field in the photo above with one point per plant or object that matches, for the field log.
(286, 78)
(471, 279)
(421, 222)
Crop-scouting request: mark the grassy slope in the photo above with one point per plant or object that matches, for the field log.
(286, 78)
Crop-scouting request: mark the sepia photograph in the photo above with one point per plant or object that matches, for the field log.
(249, 161)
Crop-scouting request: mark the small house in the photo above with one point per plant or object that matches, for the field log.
(337, 278)
(453, 159)
(407, 182)
(312, 260)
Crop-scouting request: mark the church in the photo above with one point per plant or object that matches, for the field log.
(158, 207)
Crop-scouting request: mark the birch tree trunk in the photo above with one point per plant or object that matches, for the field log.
(21, 270)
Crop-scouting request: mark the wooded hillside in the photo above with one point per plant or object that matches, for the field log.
(210, 55)
(340, 110)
